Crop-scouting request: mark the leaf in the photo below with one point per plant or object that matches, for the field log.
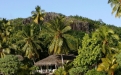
(8, 23)
(7, 50)
(36, 19)
(67, 28)
(41, 18)
(110, 31)
(116, 36)
(114, 66)
(115, 8)
(99, 69)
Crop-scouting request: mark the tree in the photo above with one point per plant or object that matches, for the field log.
(116, 5)
(108, 40)
(9, 65)
(27, 67)
(95, 72)
(4, 49)
(27, 41)
(5, 32)
(101, 21)
(38, 14)
(60, 71)
(57, 34)
(88, 53)
(76, 71)
(108, 64)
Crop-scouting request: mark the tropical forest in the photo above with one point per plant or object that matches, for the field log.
(27, 44)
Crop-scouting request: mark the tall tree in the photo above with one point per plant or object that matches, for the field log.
(116, 5)
(57, 33)
(108, 65)
(108, 40)
(38, 14)
(88, 53)
(27, 40)
(5, 31)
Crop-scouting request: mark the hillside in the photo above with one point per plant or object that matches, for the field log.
(79, 23)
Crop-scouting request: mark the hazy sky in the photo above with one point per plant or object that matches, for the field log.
(93, 9)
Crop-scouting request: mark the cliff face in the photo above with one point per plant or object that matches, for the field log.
(80, 26)
(50, 16)
(76, 24)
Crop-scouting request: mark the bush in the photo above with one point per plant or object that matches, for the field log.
(75, 71)
(94, 72)
(60, 71)
(9, 64)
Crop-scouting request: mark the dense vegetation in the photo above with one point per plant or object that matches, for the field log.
(97, 45)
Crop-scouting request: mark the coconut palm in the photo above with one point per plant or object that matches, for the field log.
(108, 65)
(108, 39)
(5, 30)
(57, 33)
(116, 5)
(38, 14)
(4, 49)
(28, 41)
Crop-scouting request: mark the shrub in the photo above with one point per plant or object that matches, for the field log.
(75, 71)
(60, 71)
(94, 72)
(9, 64)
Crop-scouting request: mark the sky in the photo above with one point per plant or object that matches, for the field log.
(92, 9)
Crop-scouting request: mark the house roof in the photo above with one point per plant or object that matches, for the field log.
(54, 60)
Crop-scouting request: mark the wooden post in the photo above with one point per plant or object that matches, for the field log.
(47, 70)
(55, 67)
(41, 69)
(62, 60)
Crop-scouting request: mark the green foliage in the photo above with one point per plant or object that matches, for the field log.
(27, 70)
(79, 35)
(116, 5)
(88, 54)
(117, 30)
(5, 32)
(118, 72)
(38, 14)
(118, 59)
(107, 39)
(94, 72)
(56, 33)
(60, 71)
(27, 41)
(108, 64)
(9, 65)
(68, 66)
(76, 71)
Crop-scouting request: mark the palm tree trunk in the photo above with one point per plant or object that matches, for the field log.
(112, 73)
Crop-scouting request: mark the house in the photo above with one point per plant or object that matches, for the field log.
(49, 64)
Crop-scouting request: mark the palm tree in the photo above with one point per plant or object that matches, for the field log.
(108, 39)
(116, 4)
(28, 41)
(5, 31)
(4, 49)
(57, 33)
(108, 65)
(38, 14)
